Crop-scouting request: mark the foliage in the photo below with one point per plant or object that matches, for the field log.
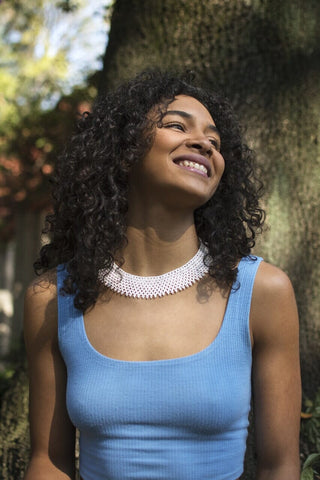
(309, 471)
(310, 427)
(40, 89)
(5, 377)
(31, 72)
(310, 438)
(14, 427)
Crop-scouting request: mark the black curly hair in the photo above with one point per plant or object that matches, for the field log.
(90, 186)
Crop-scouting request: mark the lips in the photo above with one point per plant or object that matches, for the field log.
(195, 158)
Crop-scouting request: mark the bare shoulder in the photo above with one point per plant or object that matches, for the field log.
(40, 307)
(42, 287)
(271, 280)
(273, 307)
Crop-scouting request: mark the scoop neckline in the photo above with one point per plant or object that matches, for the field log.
(165, 361)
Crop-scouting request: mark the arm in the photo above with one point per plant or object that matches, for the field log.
(276, 375)
(52, 434)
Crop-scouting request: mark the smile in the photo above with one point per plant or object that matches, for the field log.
(194, 163)
(193, 166)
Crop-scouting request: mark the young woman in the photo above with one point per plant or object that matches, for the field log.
(151, 318)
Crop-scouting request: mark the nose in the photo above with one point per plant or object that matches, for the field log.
(201, 143)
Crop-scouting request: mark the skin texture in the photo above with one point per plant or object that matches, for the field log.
(161, 236)
(158, 177)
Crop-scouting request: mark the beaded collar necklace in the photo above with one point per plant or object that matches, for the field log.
(169, 283)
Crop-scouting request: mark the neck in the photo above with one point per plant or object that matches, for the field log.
(158, 242)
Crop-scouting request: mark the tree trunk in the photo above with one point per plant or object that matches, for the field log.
(265, 55)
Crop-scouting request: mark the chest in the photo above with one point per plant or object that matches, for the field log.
(204, 393)
(174, 362)
(169, 327)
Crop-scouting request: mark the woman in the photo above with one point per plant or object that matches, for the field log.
(153, 361)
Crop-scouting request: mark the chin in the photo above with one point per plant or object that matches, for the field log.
(189, 199)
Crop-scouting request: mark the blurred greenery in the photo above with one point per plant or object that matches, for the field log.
(310, 438)
(46, 80)
(29, 75)
(310, 468)
(310, 427)
(5, 377)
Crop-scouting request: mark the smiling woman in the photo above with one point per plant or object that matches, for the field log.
(151, 319)
(183, 167)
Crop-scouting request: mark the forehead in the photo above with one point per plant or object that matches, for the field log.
(192, 106)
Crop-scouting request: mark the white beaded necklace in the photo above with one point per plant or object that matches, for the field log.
(159, 285)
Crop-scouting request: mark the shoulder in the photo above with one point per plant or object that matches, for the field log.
(42, 292)
(271, 280)
(40, 308)
(42, 286)
(273, 306)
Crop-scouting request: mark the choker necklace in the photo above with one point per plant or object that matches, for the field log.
(159, 285)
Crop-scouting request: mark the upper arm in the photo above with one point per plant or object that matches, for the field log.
(276, 373)
(52, 434)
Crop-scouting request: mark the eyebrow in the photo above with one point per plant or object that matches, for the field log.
(189, 116)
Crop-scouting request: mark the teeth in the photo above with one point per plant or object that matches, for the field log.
(197, 166)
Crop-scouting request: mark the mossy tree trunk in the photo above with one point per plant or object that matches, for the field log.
(265, 55)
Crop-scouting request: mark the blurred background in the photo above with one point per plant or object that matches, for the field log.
(49, 54)
(57, 56)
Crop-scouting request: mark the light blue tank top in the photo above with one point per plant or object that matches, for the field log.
(177, 419)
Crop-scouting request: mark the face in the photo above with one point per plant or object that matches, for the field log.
(184, 165)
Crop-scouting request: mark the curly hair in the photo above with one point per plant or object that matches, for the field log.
(90, 186)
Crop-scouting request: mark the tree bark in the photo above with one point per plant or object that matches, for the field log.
(265, 56)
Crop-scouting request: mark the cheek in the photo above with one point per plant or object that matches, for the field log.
(158, 149)
(164, 140)
(219, 163)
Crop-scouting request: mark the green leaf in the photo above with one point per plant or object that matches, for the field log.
(312, 459)
(307, 474)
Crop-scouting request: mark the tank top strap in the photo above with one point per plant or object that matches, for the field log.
(236, 321)
(61, 275)
(247, 270)
(68, 315)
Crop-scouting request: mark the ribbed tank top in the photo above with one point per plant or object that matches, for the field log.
(176, 419)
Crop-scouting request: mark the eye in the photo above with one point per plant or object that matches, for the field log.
(175, 125)
(215, 143)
